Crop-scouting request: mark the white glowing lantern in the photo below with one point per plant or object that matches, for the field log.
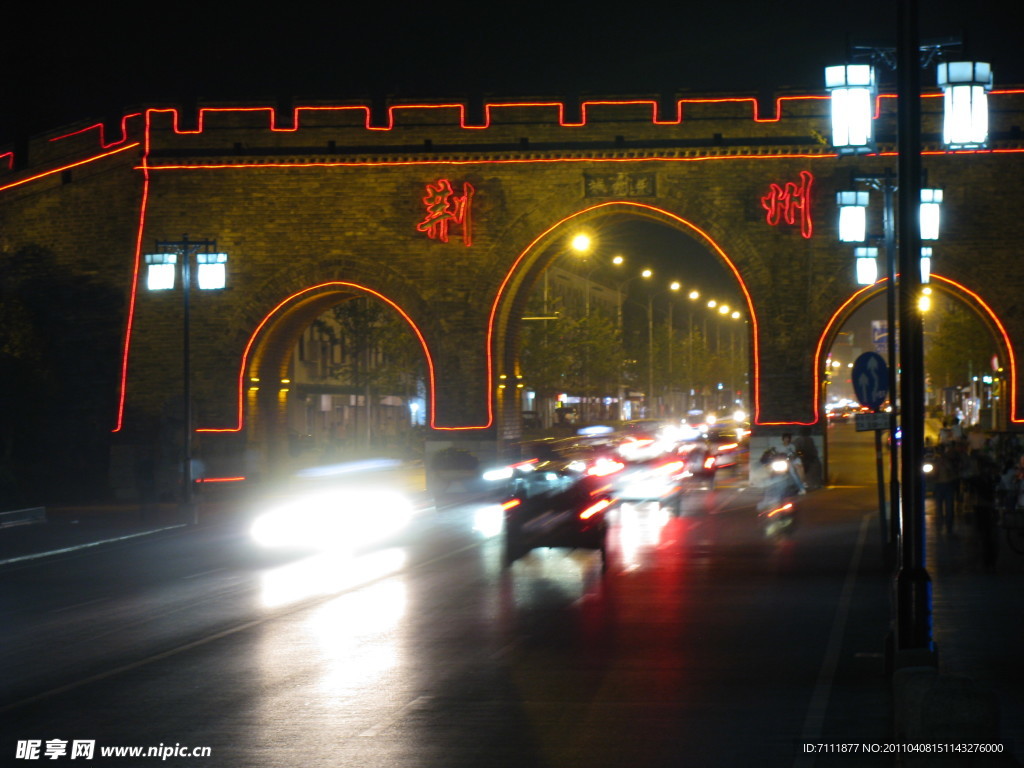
(212, 272)
(931, 202)
(966, 85)
(160, 271)
(853, 220)
(852, 88)
(867, 265)
(926, 264)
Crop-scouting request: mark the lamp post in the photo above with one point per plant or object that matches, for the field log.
(913, 640)
(211, 274)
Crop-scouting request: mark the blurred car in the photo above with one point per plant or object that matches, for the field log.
(701, 465)
(346, 509)
(555, 503)
(663, 480)
(726, 444)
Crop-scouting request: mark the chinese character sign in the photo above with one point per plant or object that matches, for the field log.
(445, 208)
(790, 204)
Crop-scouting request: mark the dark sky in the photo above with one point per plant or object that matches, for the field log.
(61, 65)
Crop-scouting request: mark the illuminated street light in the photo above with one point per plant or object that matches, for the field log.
(931, 204)
(211, 274)
(581, 243)
(867, 265)
(965, 85)
(926, 264)
(853, 217)
(852, 88)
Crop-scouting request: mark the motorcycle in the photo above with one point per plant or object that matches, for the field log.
(777, 510)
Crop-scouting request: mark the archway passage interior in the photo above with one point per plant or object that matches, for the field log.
(334, 373)
(625, 312)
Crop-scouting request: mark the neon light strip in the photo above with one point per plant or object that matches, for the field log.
(1012, 362)
(340, 284)
(842, 313)
(498, 298)
(102, 129)
(134, 292)
(67, 167)
(489, 110)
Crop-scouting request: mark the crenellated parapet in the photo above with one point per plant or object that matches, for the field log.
(626, 128)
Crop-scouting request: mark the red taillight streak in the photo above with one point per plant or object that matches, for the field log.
(779, 510)
(593, 509)
(709, 462)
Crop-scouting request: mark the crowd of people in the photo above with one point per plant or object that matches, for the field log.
(974, 479)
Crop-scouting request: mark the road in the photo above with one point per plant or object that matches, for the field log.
(705, 644)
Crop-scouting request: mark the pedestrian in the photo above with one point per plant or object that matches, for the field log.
(807, 452)
(788, 449)
(984, 482)
(944, 489)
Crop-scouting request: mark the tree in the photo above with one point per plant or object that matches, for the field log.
(60, 336)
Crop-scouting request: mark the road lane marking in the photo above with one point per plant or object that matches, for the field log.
(87, 545)
(815, 720)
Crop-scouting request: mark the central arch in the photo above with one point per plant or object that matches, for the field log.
(530, 262)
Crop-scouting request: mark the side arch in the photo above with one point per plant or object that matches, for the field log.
(970, 297)
(276, 333)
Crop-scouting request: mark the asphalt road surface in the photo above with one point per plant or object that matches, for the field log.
(705, 644)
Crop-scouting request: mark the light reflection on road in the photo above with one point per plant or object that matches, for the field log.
(325, 574)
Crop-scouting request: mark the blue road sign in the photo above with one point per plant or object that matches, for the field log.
(870, 380)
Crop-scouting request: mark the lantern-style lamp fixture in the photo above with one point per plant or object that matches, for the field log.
(853, 207)
(212, 273)
(965, 85)
(852, 88)
(926, 264)
(931, 203)
(160, 271)
(867, 264)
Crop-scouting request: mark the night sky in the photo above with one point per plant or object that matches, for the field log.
(64, 65)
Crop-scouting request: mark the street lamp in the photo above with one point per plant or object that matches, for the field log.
(913, 585)
(211, 274)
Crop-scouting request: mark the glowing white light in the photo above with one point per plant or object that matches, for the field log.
(926, 264)
(853, 217)
(931, 203)
(966, 85)
(211, 274)
(867, 265)
(161, 269)
(852, 89)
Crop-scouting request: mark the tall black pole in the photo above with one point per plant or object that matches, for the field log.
(888, 195)
(187, 502)
(913, 585)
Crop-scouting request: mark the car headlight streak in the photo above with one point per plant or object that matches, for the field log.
(345, 519)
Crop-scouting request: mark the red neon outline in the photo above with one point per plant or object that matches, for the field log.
(102, 132)
(489, 110)
(274, 311)
(841, 313)
(146, 167)
(67, 167)
(660, 212)
(784, 201)
(457, 209)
